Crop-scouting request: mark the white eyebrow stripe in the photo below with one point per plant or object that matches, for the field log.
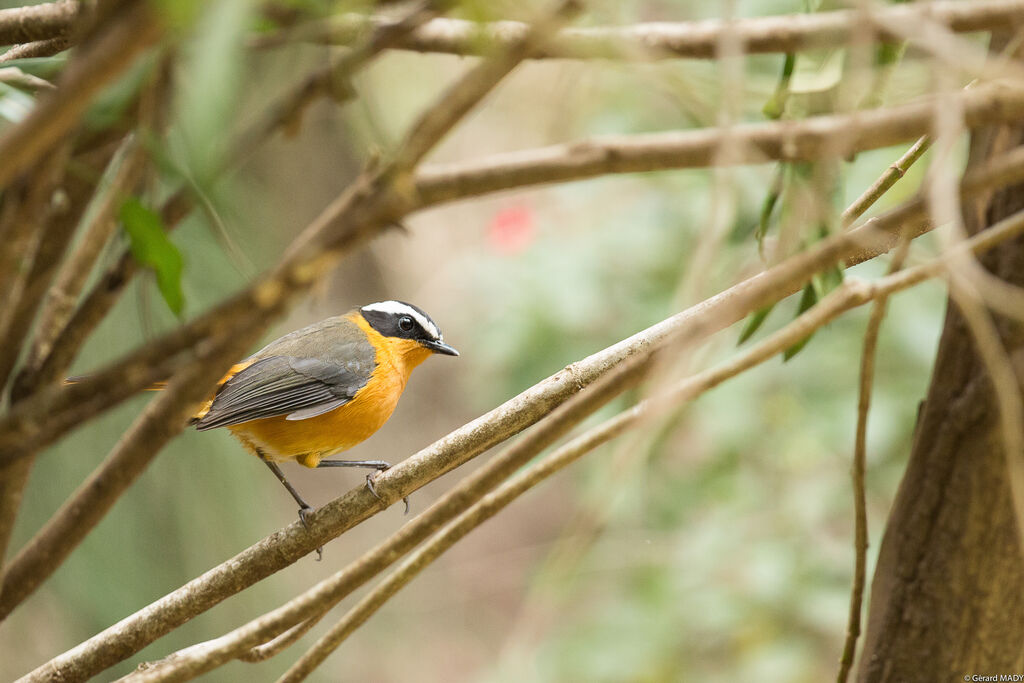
(398, 308)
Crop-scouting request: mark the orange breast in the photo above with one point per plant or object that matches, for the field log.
(309, 441)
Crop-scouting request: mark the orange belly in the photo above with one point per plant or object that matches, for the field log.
(309, 441)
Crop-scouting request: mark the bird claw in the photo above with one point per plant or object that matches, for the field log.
(303, 515)
(373, 489)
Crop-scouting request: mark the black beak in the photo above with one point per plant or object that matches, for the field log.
(439, 347)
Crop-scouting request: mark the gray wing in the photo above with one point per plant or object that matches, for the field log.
(300, 388)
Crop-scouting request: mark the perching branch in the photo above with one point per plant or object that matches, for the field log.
(192, 661)
(664, 40)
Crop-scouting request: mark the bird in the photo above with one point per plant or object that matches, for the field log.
(322, 389)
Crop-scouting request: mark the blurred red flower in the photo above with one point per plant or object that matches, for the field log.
(511, 230)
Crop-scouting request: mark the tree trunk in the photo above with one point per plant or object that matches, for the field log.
(948, 594)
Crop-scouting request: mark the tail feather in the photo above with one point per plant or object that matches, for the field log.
(160, 386)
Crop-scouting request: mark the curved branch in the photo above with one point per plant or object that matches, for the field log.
(666, 40)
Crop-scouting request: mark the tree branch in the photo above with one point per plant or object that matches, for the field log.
(807, 140)
(40, 48)
(37, 22)
(885, 181)
(665, 40)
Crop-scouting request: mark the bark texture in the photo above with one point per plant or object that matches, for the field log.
(948, 593)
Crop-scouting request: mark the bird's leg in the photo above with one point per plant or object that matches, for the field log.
(304, 507)
(377, 465)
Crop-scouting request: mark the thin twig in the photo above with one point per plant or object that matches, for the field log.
(884, 183)
(60, 299)
(867, 376)
(664, 40)
(14, 76)
(26, 211)
(274, 647)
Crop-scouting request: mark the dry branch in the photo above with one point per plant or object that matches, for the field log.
(37, 22)
(663, 40)
(806, 140)
(40, 48)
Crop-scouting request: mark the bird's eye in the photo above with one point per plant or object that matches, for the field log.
(405, 323)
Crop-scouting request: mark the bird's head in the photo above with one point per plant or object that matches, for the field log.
(402, 321)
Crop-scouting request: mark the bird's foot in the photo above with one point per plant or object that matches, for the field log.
(303, 515)
(372, 476)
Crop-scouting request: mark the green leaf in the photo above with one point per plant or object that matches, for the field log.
(755, 321)
(768, 206)
(817, 71)
(151, 248)
(807, 299)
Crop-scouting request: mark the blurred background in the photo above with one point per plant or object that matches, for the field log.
(715, 546)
